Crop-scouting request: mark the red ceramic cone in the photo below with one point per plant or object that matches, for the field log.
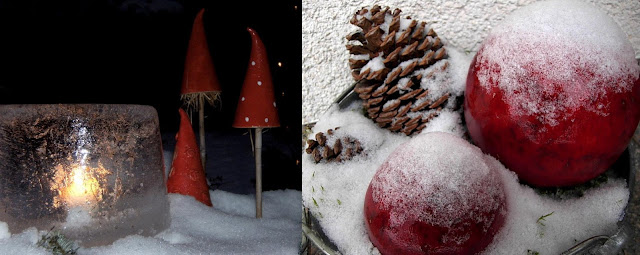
(187, 175)
(257, 104)
(199, 72)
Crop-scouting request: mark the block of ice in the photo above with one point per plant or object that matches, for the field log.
(94, 172)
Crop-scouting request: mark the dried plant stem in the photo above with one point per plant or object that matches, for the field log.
(192, 101)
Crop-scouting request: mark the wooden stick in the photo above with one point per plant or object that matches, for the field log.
(258, 154)
(203, 146)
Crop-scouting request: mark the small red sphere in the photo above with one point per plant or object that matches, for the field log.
(435, 194)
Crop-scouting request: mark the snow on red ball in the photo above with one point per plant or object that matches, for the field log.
(435, 194)
(553, 93)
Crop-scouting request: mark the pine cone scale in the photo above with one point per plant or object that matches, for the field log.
(439, 101)
(421, 106)
(404, 109)
(389, 115)
(392, 105)
(411, 94)
(407, 70)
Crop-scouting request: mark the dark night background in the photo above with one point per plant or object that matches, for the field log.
(133, 52)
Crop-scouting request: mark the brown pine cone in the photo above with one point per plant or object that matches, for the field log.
(341, 149)
(396, 63)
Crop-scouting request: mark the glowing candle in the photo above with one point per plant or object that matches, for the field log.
(83, 188)
(92, 171)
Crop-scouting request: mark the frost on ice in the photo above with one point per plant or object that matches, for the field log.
(572, 45)
(435, 183)
(443, 169)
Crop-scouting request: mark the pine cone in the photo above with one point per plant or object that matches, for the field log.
(395, 62)
(341, 150)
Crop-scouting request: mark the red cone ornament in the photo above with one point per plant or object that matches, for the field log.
(257, 104)
(187, 175)
(199, 78)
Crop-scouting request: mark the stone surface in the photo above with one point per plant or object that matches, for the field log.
(464, 24)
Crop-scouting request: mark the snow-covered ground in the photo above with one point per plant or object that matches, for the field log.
(229, 227)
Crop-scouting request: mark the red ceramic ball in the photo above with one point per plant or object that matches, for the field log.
(553, 93)
(435, 194)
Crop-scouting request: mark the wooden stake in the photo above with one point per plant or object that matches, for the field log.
(258, 154)
(203, 147)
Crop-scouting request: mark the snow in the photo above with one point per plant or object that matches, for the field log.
(442, 174)
(571, 221)
(229, 227)
(4, 230)
(572, 45)
(448, 121)
(334, 193)
(374, 64)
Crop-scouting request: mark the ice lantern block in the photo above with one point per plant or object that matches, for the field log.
(93, 172)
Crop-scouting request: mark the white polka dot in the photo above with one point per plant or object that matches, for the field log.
(246, 119)
(274, 104)
(253, 63)
(266, 120)
(242, 98)
(259, 83)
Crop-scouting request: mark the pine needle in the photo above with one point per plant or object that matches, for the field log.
(58, 244)
(543, 218)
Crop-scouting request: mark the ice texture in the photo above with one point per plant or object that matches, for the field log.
(94, 172)
(574, 47)
(334, 193)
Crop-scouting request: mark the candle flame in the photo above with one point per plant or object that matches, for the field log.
(82, 188)
(79, 188)
(77, 185)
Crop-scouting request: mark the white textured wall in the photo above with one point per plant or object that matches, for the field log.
(464, 24)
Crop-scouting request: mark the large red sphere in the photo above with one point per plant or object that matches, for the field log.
(435, 194)
(553, 93)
